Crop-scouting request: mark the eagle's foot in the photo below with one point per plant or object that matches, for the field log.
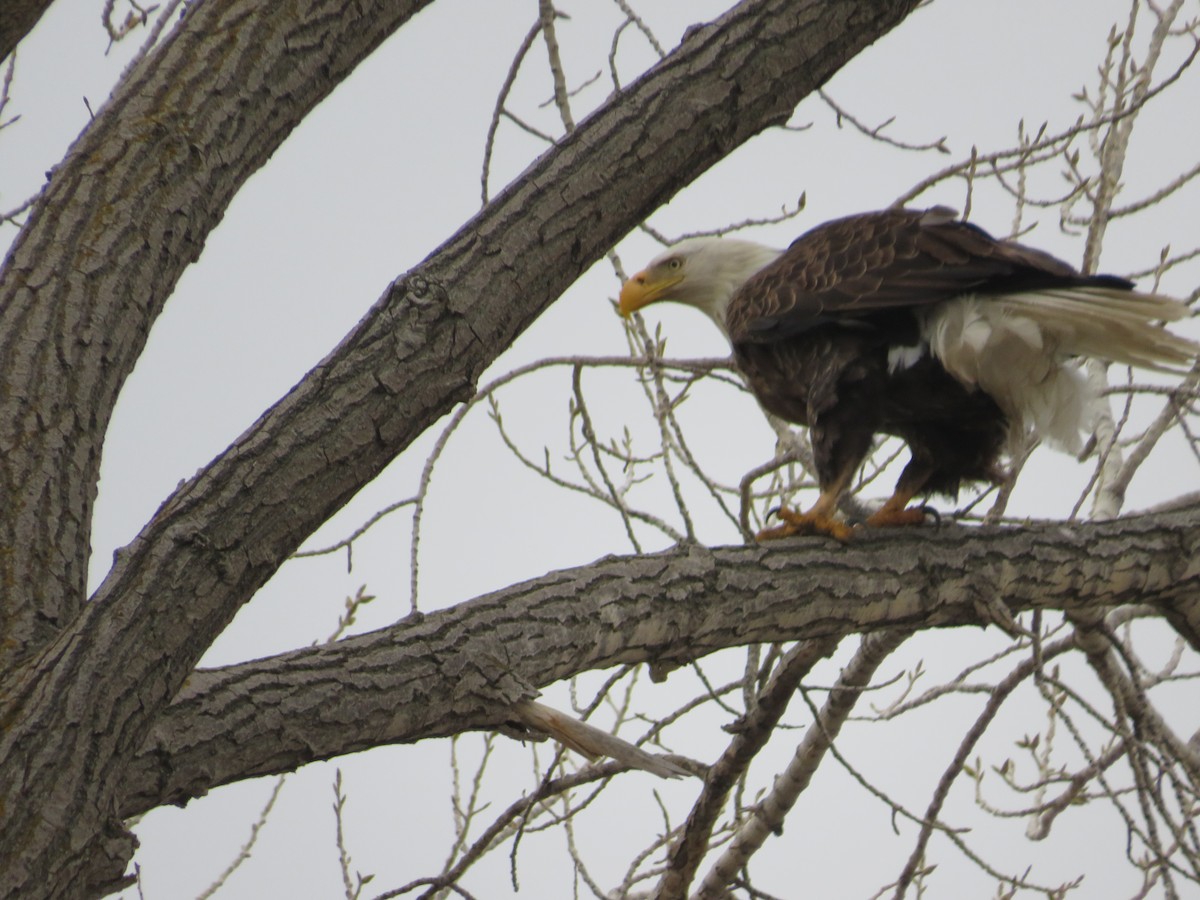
(811, 522)
(912, 515)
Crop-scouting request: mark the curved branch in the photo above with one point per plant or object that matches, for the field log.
(120, 219)
(461, 669)
(100, 684)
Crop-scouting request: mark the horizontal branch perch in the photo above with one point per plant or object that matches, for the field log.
(462, 668)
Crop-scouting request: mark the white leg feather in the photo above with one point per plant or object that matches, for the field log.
(1021, 349)
(1012, 359)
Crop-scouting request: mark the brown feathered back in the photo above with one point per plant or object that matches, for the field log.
(853, 267)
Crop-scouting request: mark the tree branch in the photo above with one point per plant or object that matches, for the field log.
(120, 219)
(751, 733)
(460, 669)
(768, 815)
(99, 685)
(17, 20)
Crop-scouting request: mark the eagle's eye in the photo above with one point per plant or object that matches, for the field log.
(674, 263)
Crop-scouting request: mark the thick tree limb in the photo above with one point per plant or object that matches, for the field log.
(17, 19)
(98, 687)
(122, 216)
(460, 669)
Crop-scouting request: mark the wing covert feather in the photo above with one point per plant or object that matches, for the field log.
(847, 269)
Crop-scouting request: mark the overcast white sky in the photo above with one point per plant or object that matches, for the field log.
(383, 172)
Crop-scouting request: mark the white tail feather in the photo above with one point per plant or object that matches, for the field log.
(1019, 349)
(1110, 324)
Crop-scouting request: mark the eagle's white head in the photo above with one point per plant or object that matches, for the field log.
(703, 272)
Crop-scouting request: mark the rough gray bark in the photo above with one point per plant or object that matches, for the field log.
(459, 669)
(17, 18)
(121, 218)
(125, 212)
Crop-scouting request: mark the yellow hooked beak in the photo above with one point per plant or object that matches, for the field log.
(643, 289)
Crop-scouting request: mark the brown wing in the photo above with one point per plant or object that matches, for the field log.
(847, 269)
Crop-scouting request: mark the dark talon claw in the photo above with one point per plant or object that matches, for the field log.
(931, 511)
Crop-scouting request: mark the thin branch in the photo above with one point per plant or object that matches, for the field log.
(546, 15)
(767, 816)
(998, 696)
(751, 734)
(489, 143)
(876, 133)
(248, 847)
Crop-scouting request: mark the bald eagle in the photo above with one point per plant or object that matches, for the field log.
(915, 324)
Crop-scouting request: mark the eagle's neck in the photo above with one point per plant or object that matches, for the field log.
(721, 269)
